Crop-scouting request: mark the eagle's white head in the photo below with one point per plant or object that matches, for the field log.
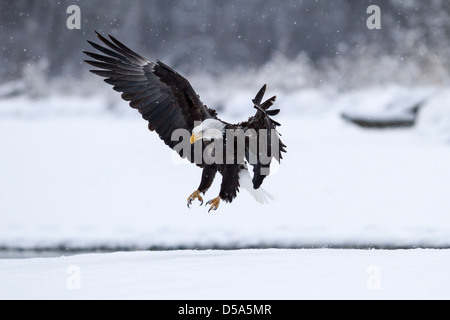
(208, 130)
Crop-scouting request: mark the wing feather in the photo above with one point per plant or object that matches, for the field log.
(163, 97)
(262, 120)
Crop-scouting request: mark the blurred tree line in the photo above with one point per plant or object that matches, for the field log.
(213, 36)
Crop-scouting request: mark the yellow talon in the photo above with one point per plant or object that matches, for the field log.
(193, 196)
(214, 204)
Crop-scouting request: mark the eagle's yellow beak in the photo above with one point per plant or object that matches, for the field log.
(195, 138)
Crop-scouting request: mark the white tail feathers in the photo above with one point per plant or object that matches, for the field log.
(260, 195)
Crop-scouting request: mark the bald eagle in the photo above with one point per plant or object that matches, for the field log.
(170, 105)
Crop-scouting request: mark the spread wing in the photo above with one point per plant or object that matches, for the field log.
(262, 123)
(163, 97)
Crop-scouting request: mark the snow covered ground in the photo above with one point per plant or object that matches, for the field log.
(231, 275)
(75, 176)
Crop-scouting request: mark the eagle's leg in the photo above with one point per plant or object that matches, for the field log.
(208, 175)
(229, 187)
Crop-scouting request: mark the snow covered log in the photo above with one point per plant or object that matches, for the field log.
(390, 118)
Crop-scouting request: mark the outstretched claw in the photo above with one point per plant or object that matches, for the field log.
(214, 204)
(193, 196)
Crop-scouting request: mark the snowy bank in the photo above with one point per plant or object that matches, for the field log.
(246, 274)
